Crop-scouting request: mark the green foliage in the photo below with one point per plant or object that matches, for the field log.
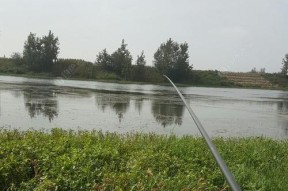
(105, 75)
(141, 59)
(284, 69)
(50, 50)
(32, 52)
(118, 63)
(146, 74)
(138, 71)
(122, 61)
(104, 60)
(210, 78)
(171, 59)
(40, 60)
(17, 59)
(277, 79)
(12, 66)
(69, 160)
(40, 54)
(74, 68)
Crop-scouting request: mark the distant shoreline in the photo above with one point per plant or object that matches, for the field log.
(49, 76)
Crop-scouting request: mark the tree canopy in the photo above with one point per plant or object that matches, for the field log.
(40, 54)
(141, 59)
(284, 69)
(103, 59)
(172, 59)
(122, 61)
(139, 68)
(119, 62)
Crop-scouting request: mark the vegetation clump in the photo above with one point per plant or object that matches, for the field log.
(90, 160)
(40, 59)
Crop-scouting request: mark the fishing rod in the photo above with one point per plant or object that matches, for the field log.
(223, 167)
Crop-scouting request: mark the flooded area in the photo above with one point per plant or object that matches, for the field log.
(70, 104)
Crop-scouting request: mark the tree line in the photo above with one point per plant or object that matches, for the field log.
(40, 55)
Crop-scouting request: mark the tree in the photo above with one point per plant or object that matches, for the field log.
(182, 68)
(32, 52)
(262, 70)
(122, 61)
(141, 59)
(139, 68)
(17, 58)
(103, 59)
(253, 70)
(49, 51)
(172, 59)
(40, 54)
(284, 69)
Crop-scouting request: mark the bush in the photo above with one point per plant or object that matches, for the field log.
(11, 66)
(277, 79)
(73, 68)
(209, 78)
(83, 160)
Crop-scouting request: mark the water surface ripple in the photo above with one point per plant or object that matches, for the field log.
(72, 104)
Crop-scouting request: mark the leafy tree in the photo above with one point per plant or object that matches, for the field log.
(172, 59)
(16, 55)
(17, 58)
(182, 68)
(40, 54)
(284, 69)
(49, 51)
(122, 61)
(141, 59)
(103, 59)
(32, 52)
(139, 68)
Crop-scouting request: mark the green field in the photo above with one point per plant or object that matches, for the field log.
(70, 160)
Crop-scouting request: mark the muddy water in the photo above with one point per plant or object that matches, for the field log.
(70, 104)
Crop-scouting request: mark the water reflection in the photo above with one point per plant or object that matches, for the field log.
(139, 104)
(232, 112)
(167, 113)
(118, 102)
(282, 106)
(40, 101)
(282, 102)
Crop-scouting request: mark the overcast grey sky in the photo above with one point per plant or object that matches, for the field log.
(233, 35)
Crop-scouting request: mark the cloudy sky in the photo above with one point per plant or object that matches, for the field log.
(233, 35)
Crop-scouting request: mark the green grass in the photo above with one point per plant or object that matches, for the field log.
(70, 160)
(277, 79)
(210, 78)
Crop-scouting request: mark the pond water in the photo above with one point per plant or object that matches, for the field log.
(70, 104)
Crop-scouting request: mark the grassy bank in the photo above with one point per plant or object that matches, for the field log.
(68, 160)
